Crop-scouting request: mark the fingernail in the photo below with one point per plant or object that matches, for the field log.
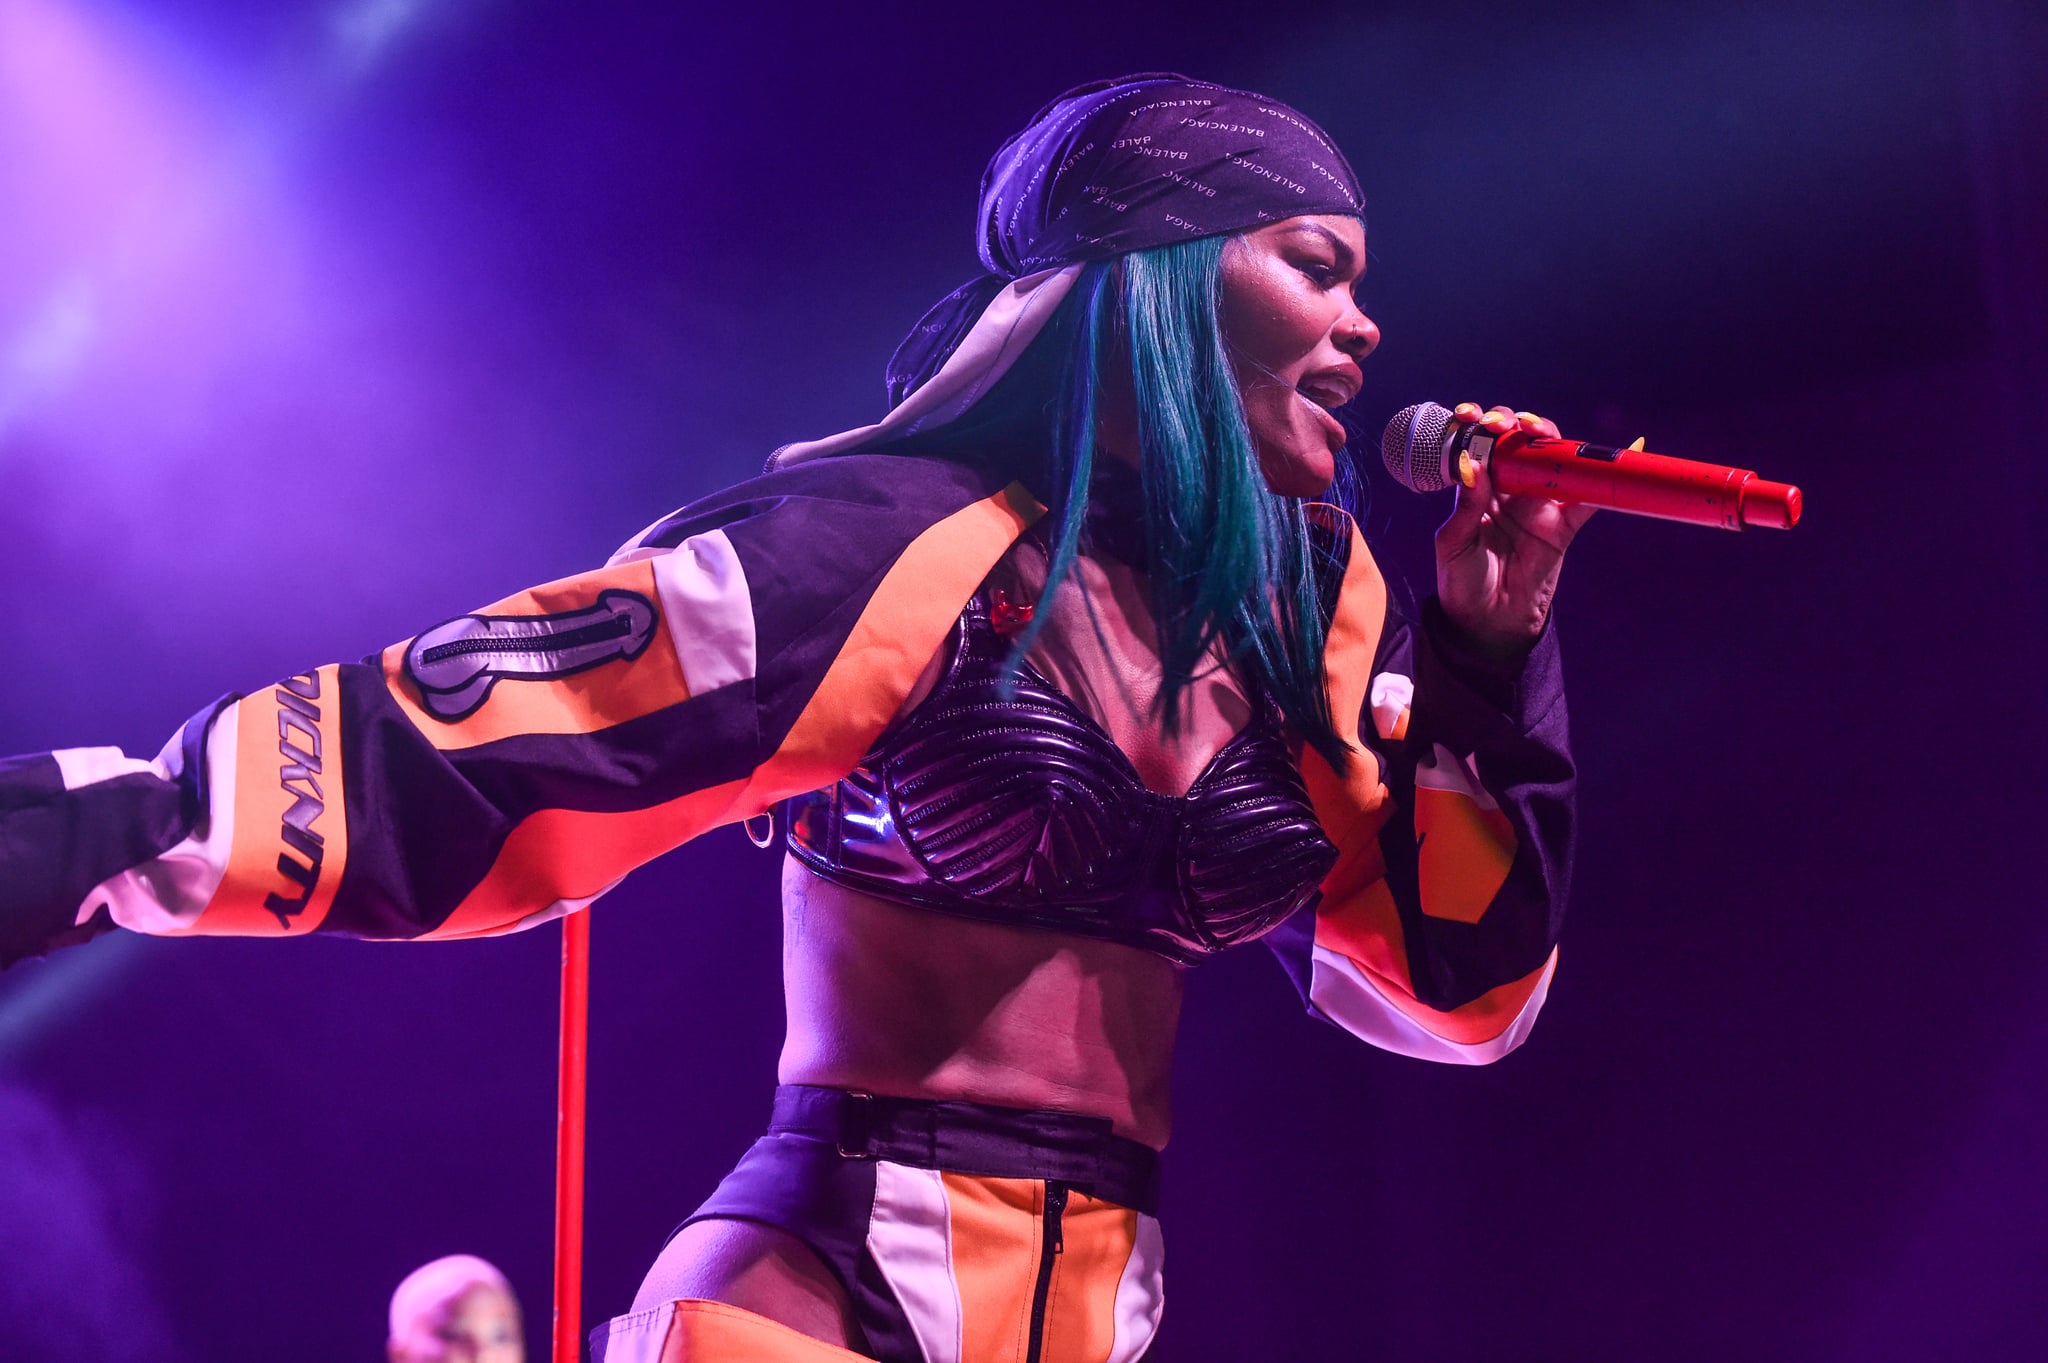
(1465, 409)
(1468, 472)
(1528, 418)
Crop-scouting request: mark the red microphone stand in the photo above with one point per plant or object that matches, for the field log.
(569, 1111)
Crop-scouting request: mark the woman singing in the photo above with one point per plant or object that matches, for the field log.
(1064, 684)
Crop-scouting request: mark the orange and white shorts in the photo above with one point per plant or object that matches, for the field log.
(962, 1233)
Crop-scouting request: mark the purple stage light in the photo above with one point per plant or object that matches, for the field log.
(364, 30)
(94, 134)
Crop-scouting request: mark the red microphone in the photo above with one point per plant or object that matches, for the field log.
(1426, 449)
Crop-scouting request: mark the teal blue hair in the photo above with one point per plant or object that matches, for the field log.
(1229, 558)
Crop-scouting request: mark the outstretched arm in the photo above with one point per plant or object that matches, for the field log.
(508, 766)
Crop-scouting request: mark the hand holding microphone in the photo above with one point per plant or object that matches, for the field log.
(1523, 493)
(1426, 448)
(1498, 556)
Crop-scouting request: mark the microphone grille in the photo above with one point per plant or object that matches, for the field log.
(1413, 447)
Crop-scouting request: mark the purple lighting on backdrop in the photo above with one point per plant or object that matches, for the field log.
(151, 240)
(364, 30)
(320, 322)
(90, 135)
(73, 1210)
(156, 229)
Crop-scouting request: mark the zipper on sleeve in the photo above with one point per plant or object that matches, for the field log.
(601, 631)
(1051, 1243)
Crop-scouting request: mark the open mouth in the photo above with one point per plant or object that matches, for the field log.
(1326, 396)
(1325, 402)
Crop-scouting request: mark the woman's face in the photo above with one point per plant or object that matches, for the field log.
(1295, 335)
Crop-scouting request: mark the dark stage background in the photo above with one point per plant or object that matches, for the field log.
(321, 322)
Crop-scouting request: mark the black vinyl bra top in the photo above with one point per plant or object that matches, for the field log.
(1023, 810)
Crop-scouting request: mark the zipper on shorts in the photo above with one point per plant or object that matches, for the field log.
(1052, 1242)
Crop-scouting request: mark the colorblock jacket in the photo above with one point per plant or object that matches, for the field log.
(507, 767)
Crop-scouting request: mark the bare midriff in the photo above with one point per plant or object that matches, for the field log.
(885, 998)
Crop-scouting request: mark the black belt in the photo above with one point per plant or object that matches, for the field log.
(976, 1138)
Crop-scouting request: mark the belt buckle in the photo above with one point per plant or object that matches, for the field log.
(855, 1125)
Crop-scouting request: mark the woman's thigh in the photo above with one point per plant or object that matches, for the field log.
(756, 1268)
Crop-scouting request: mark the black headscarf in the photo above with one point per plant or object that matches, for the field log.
(1127, 165)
